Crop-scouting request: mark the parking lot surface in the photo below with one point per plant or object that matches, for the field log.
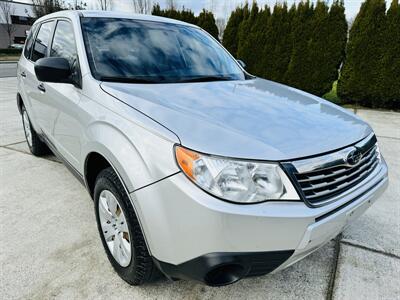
(8, 69)
(49, 244)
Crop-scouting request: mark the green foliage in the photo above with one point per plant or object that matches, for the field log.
(390, 91)
(231, 33)
(206, 21)
(325, 47)
(10, 51)
(299, 67)
(368, 53)
(277, 43)
(371, 72)
(257, 40)
(246, 28)
(302, 46)
(44, 7)
(336, 44)
(332, 95)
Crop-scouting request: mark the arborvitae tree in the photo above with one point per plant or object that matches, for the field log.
(335, 50)
(156, 11)
(390, 89)
(186, 15)
(360, 80)
(317, 51)
(257, 39)
(231, 33)
(206, 21)
(246, 48)
(299, 70)
(325, 47)
(277, 46)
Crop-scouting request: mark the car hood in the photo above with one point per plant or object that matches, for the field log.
(254, 119)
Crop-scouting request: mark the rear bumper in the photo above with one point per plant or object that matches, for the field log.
(192, 235)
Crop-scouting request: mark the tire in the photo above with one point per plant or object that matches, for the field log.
(36, 146)
(141, 268)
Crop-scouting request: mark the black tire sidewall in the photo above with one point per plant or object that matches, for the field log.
(23, 109)
(38, 148)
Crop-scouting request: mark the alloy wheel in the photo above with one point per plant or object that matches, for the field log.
(114, 228)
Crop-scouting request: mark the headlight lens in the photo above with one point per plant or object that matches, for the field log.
(236, 180)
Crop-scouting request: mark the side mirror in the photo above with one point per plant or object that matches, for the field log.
(53, 69)
(241, 63)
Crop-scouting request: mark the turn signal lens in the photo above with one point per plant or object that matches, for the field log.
(185, 159)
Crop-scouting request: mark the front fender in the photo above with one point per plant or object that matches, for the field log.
(139, 156)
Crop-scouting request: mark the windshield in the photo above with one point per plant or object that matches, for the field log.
(126, 50)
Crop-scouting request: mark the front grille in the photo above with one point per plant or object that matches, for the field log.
(325, 183)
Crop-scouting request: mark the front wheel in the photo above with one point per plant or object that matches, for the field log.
(120, 231)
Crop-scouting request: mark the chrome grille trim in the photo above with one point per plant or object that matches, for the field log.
(324, 179)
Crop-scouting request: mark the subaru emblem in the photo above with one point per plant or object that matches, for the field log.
(354, 157)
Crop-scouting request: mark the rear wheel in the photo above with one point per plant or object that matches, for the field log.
(36, 146)
(120, 231)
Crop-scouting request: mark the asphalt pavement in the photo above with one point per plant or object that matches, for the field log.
(8, 69)
(50, 248)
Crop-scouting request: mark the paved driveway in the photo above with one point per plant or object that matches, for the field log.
(49, 245)
(8, 69)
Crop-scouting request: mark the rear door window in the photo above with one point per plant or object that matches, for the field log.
(42, 41)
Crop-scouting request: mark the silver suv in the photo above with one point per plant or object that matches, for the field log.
(197, 169)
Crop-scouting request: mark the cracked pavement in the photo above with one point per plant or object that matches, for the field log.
(49, 244)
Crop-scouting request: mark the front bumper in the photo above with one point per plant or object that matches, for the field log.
(191, 234)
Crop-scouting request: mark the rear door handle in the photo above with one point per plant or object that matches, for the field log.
(41, 88)
(23, 74)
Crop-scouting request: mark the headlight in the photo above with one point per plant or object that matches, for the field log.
(236, 180)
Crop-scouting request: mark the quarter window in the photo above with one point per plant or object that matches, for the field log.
(64, 42)
(42, 41)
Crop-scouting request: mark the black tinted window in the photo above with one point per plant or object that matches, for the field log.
(64, 42)
(29, 41)
(42, 41)
(140, 51)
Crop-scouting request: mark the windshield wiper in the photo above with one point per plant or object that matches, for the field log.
(130, 79)
(206, 78)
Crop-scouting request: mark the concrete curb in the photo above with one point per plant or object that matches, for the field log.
(8, 62)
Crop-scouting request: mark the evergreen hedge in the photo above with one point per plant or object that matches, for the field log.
(305, 46)
(10, 51)
(231, 33)
(302, 46)
(371, 71)
(205, 19)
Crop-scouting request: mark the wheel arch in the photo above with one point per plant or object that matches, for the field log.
(102, 163)
(108, 146)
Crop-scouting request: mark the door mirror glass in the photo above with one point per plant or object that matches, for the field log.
(53, 69)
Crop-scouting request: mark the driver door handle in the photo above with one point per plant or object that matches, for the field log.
(41, 88)
(23, 74)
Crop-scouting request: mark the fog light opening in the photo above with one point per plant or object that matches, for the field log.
(225, 274)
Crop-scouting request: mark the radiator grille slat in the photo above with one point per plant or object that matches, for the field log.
(324, 183)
